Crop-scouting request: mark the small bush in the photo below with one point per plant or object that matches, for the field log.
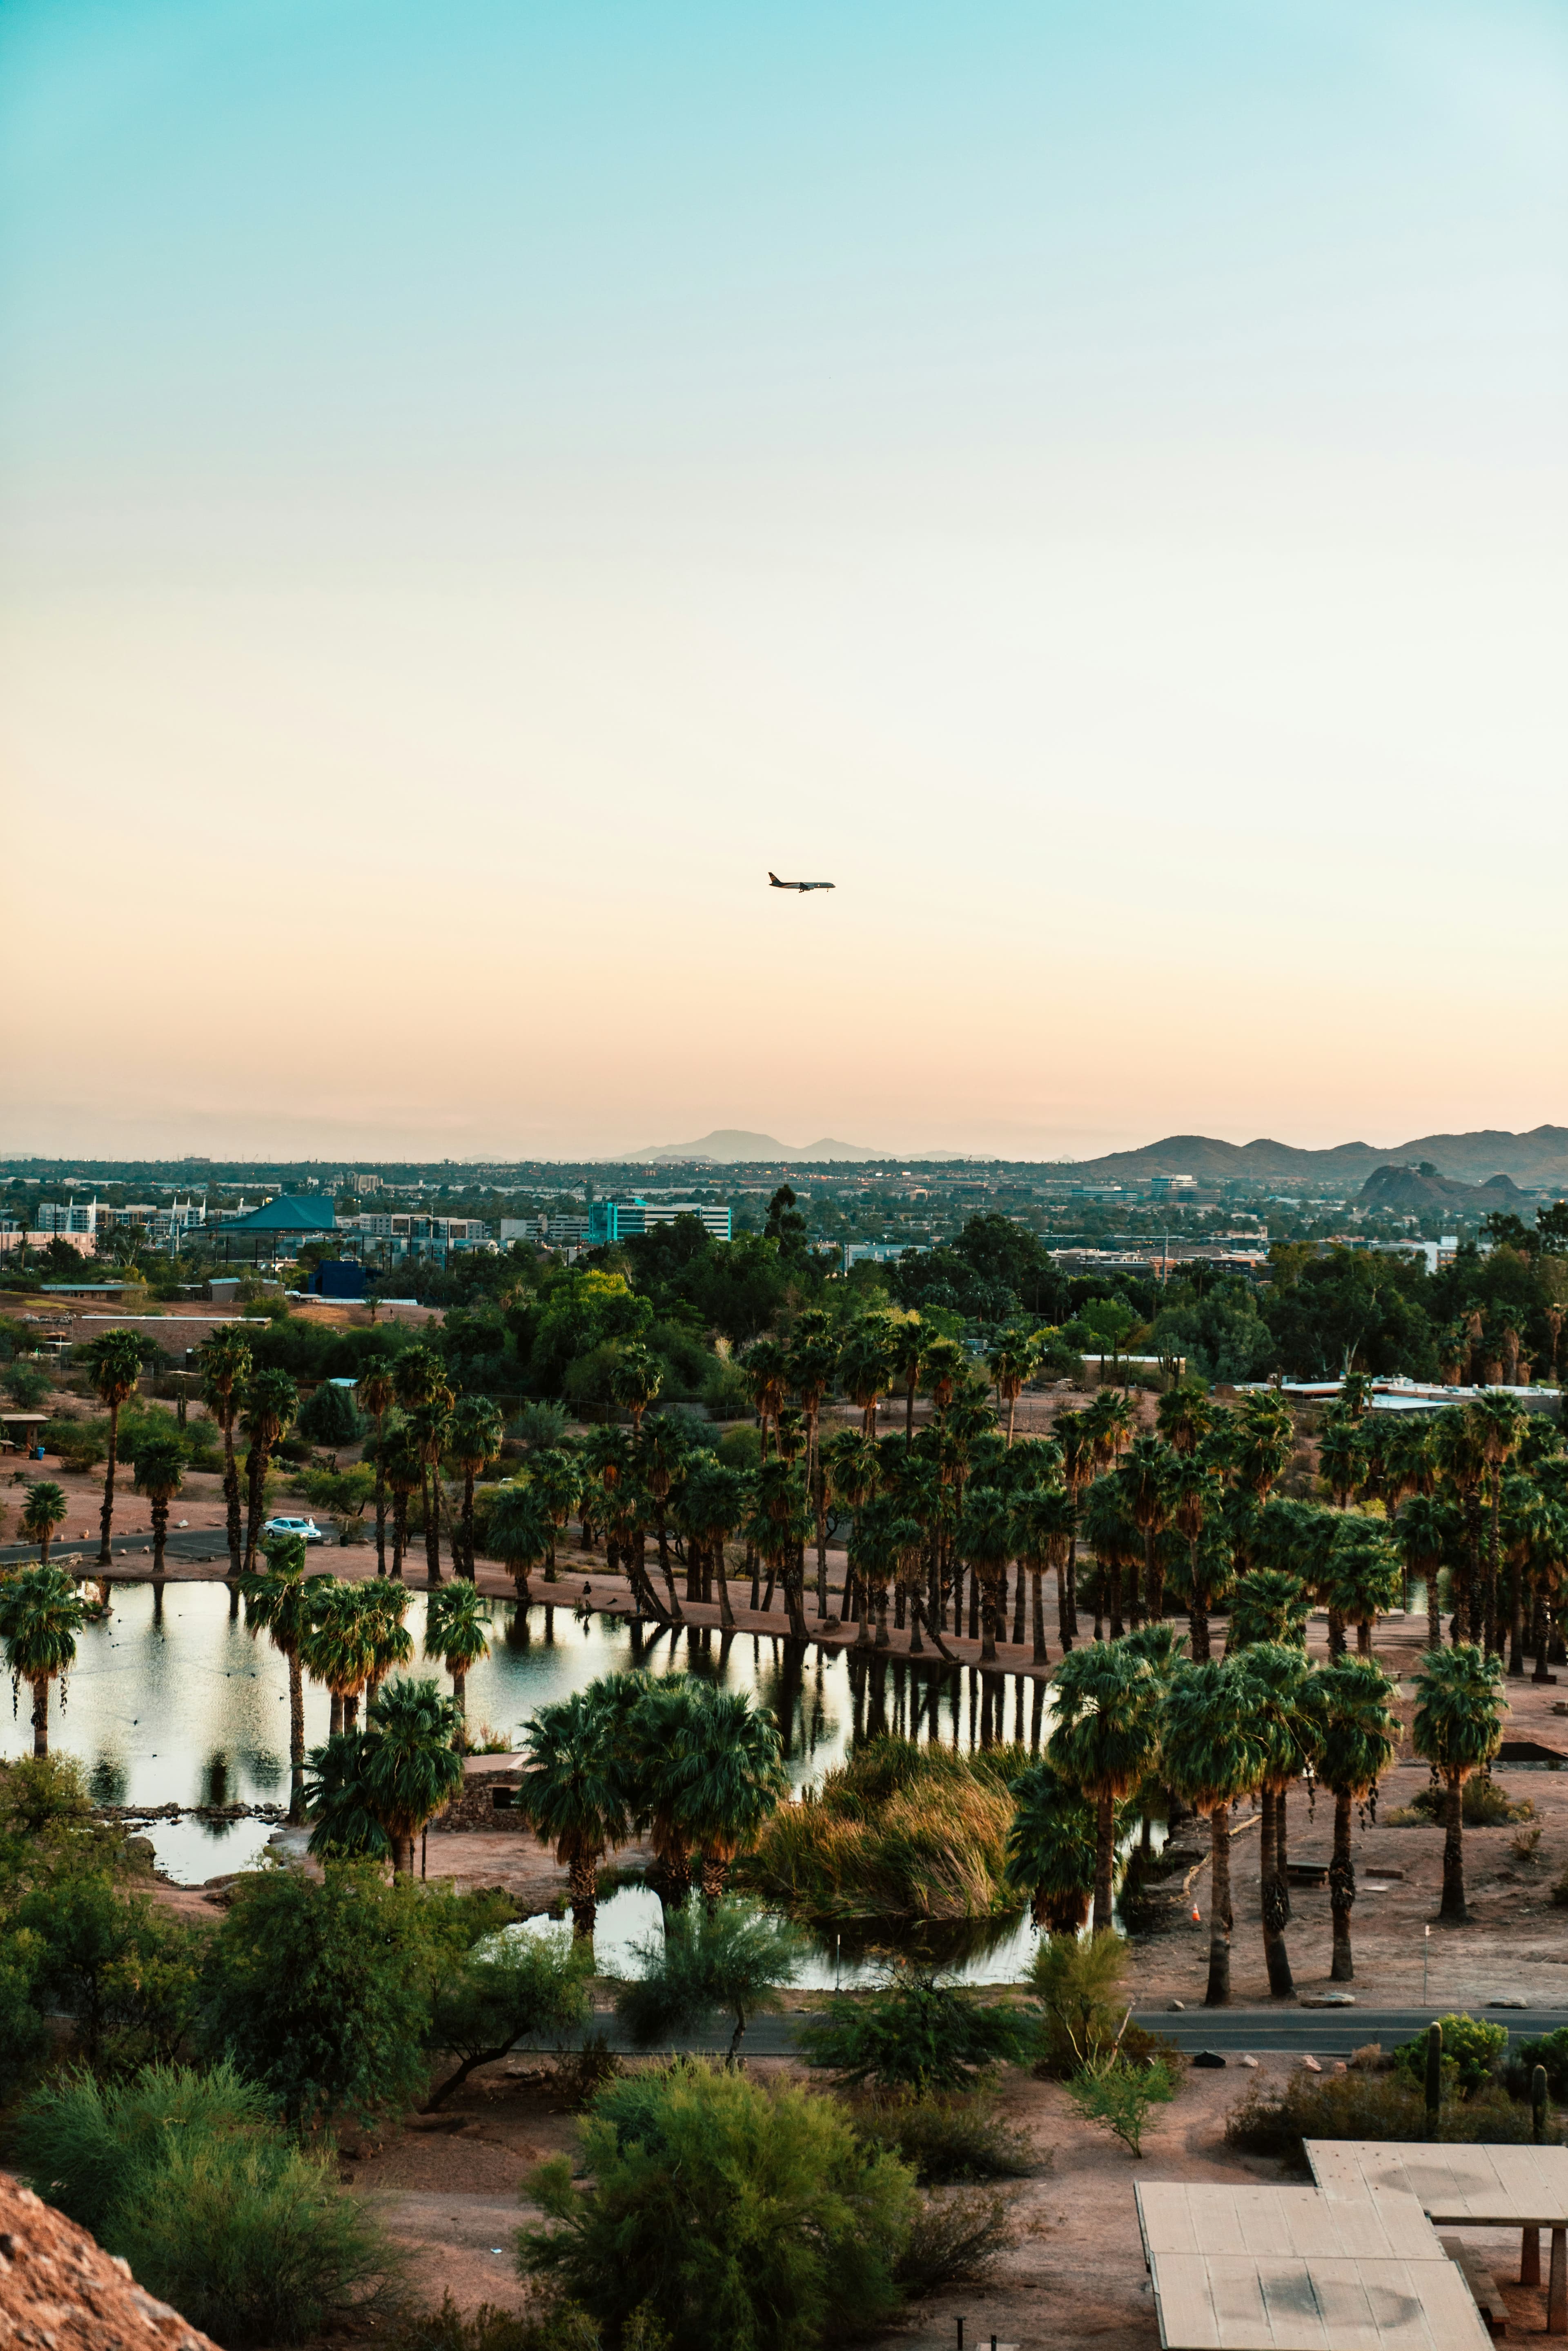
(1358, 2106)
(1525, 1846)
(1369, 2059)
(1119, 2095)
(1484, 1804)
(1079, 1987)
(1550, 2049)
(955, 2237)
(919, 2034)
(1475, 2049)
(579, 2074)
(948, 2141)
(551, 2326)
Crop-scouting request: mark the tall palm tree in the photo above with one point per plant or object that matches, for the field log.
(1106, 1741)
(1357, 1735)
(271, 1406)
(1146, 1473)
(1457, 1730)
(778, 1526)
(1197, 1495)
(1043, 1524)
(160, 1474)
(426, 1393)
(1075, 1433)
(41, 1614)
(874, 1561)
(113, 1366)
(572, 1790)
(1430, 1531)
(384, 1605)
(403, 1465)
(456, 1630)
(44, 1509)
(725, 1776)
(1212, 1755)
(410, 1764)
(555, 1476)
(1281, 1714)
(1051, 1854)
(985, 1541)
(377, 1394)
(521, 1534)
(1012, 1363)
(1499, 1426)
(636, 1378)
(1184, 1416)
(812, 1357)
(339, 1647)
(943, 1362)
(910, 1339)
(474, 1438)
(1265, 1436)
(1343, 1457)
(1271, 1605)
(280, 1602)
(711, 1507)
(767, 1376)
(662, 1450)
(1113, 1536)
(1364, 1578)
(226, 1363)
(1461, 1463)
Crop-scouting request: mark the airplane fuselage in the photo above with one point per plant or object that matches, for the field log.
(775, 883)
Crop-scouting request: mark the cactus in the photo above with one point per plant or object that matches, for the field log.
(1434, 2077)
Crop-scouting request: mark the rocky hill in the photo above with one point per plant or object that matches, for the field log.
(60, 2291)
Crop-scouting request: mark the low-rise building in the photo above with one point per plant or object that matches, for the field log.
(623, 1220)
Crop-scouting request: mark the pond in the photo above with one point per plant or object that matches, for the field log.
(172, 1700)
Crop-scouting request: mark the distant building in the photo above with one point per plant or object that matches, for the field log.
(625, 1220)
(1167, 1188)
(876, 1252)
(399, 1235)
(71, 1217)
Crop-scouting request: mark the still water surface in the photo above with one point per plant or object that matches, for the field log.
(171, 1699)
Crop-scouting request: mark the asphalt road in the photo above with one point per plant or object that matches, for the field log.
(193, 1543)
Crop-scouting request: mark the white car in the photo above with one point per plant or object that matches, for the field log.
(306, 1528)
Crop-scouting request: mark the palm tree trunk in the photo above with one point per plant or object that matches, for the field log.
(460, 1701)
(335, 1718)
(255, 1476)
(400, 1533)
(350, 1709)
(1364, 1637)
(989, 1634)
(231, 1488)
(1105, 1860)
(1037, 1607)
(583, 1885)
(1276, 1958)
(1012, 1412)
(161, 1534)
(1516, 1620)
(1018, 1606)
(1452, 1905)
(1434, 1611)
(1281, 1862)
(1538, 1637)
(1111, 1576)
(1218, 1992)
(381, 1501)
(1154, 1579)
(1072, 1586)
(296, 1742)
(433, 1526)
(1342, 1891)
(106, 1516)
(1063, 1631)
(1198, 1625)
(663, 1539)
(465, 1562)
(403, 1856)
(40, 1714)
(1336, 1634)
(721, 1577)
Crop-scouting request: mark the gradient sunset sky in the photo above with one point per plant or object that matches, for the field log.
(483, 482)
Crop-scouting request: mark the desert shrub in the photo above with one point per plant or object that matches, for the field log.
(124, 1971)
(1474, 2049)
(917, 2032)
(550, 2326)
(27, 1385)
(330, 1416)
(78, 2140)
(946, 2138)
(1079, 1987)
(1359, 2105)
(784, 2228)
(81, 1444)
(579, 2074)
(1485, 1804)
(504, 1991)
(1119, 2094)
(1550, 2049)
(898, 1831)
(954, 2237)
(731, 1960)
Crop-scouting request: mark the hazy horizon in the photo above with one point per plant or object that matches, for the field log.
(480, 486)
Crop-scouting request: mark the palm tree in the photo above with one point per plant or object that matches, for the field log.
(425, 1395)
(724, 1777)
(521, 1534)
(1105, 1742)
(555, 1476)
(636, 1378)
(1198, 1494)
(1357, 1734)
(943, 1362)
(403, 1465)
(1461, 1465)
(865, 1366)
(271, 1405)
(1265, 1436)
(1074, 1432)
(1146, 1473)
(1341, 1458)
(377, 1393)
(1184, 1416)
(41, 1614)
(662, 1449)
(1043, 1525)
(1364, 1578)
(572, 1790)
(1498, 1424)
(339, 1647)
(1457, 1730)
(1279, 1712)
(1050, 1854)
(813, 1359)
(1212, 1756)
(906, 1355)
(113, 1366)
(1113, 1536)
(455, 1630)
(280, 1602)
(226, 1363)
(410, 1764)
(474, 1438)
(160, 1474)
(383, 1605)
(985, 1541)
(1430, 1532)
(778, 1526)
(711, 1507)
(873, 1563)
(767, 1376)
(1012, 1363)
(1271, 1605)
(44, 1509)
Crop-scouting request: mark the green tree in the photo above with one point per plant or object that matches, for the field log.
(403, 1466)
(727, 1957)
(1197, 1496)
(786, 2230)
(40, 1615)
(635, 1379)
(377, 1394)
(408, 1764)
(1497, 1425)
(1106, 1741)
(280, 1602)
(1052, 1848)
(44, 1509)
(225, 1364)
(338, 1646)
(718, 1778)
(573, 1790)
(474, 1439)
(1146, 1474)
(556, 1478)
(1044, 1523)
(456, 1630)
(1270, 1604)
(1280, 1716)
(113, 1366)
(1358, 1732)
(271, 1403)
(865, 1366)
(1212, 1755)
(504, 1990)
(1430, 1532)
(521, 1534)
(1457, 1730)
(1364, 1578)
(160, 1474)
(711, 1507)
(906, 1357)
(426, 1393)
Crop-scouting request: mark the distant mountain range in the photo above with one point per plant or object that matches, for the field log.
(730, 1145)
(1539, 1158)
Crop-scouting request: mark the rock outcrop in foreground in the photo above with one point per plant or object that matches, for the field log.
(60, 2291)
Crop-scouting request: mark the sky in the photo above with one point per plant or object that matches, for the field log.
(483, 482)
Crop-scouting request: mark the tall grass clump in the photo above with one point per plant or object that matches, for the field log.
(217, 2210)
(898, 1831)
(1381, 2107)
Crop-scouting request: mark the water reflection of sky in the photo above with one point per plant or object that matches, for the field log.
(171, 1699)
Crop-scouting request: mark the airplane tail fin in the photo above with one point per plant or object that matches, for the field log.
(776, 882)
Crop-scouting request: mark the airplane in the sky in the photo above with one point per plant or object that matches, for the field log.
(777, 884)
